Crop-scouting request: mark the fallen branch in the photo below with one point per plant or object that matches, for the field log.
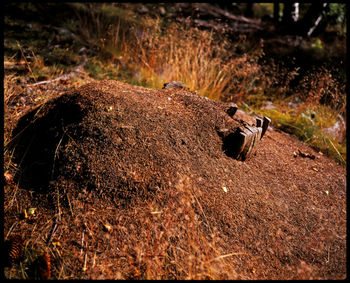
(53, 229)
(234, 27)
(208, 24)
(237, 23)
(218, 12)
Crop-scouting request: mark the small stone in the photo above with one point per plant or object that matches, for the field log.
(269, 105)
(174, 84)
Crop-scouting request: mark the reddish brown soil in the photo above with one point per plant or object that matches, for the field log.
(108, 151)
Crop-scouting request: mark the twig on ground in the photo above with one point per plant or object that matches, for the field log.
(54, 229)
(85, 260)
(227, 255)
(337, 151)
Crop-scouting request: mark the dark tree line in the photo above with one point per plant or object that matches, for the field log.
(292, 21)
(304, 26)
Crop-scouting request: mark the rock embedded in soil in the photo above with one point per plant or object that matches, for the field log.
(175, 84)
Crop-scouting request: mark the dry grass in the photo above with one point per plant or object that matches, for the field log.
(167, 241)
(195, 58)
(320, 87)
(166, 238)
(198, 58)
(321, 101)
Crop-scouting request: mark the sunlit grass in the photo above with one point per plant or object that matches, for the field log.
(308, 125)
(193, 57)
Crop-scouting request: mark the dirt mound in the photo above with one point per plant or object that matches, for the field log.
(115, 147)
(120, 140)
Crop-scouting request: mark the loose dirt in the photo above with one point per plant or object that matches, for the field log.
(108, 151)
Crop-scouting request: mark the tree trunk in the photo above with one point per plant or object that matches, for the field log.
(290, 13)
(307, 25)
(249, 10)
(295, 12)
(276, 12)
(312, 18)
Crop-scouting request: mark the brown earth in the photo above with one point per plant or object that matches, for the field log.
(134, 177)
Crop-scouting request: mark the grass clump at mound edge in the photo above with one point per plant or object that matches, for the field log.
(309, 125)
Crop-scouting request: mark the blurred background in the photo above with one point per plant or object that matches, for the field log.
(283, 60)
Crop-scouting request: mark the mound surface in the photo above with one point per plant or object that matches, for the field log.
(121, 140)
(110, 147)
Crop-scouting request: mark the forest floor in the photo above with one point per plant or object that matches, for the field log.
(110, 180)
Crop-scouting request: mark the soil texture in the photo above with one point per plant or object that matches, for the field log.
(107, 151)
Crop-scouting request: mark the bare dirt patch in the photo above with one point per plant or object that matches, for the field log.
(139, 182)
